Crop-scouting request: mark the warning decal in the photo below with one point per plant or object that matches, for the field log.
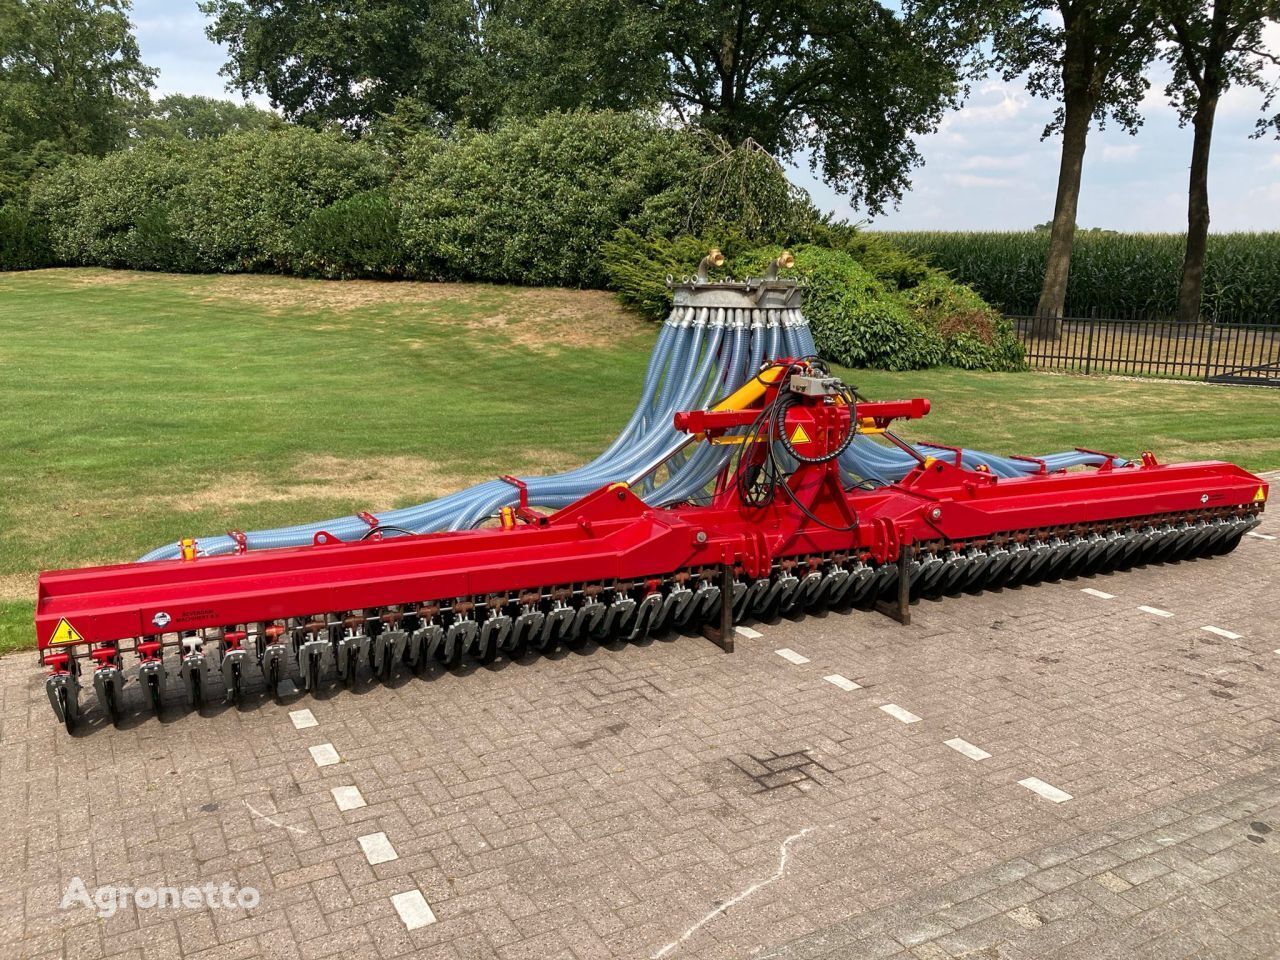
(1259, 496)
(799, 436)
(64, 632)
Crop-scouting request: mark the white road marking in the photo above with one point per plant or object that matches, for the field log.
(1156, 611)
(271, 820)
(377, 848)
(1225, 634)
(748, 633)
(783, 852)
(844, 683)
(348, 798)
(786, 653)
(895, 711)
(1261, 536)
(303, 719)
(325, 755)
(967, 748)
(1098, 593)
(413, 909)
(1046, 790)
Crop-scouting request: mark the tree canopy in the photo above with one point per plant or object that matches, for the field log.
(182, 117)
(851, 82)
(71, 82)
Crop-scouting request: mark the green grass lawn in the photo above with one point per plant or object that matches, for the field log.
(137, 408)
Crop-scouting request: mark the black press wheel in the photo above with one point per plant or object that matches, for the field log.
(273, 679)
(235, 684)
(153, 687)
(197, 695)
(65, 706)
(113, 708)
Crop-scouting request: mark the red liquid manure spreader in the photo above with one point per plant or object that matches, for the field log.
(749, 483)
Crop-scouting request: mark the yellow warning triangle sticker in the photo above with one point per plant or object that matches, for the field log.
(64, 632)
(1259, 496)
(799, 436)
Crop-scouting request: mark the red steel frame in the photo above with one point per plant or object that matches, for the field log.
(613, 535)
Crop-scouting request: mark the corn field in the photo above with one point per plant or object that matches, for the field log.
(1112, 274)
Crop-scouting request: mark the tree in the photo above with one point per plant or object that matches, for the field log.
(850, 82)
(1214, 45)
(71, 81)
(182, 117)
(350, 61)
(1093, 61)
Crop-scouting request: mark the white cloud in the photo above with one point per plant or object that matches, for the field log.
(1001, 161)
(1120, 152)
(972, 181)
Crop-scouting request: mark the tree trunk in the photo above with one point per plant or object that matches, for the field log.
(1189, 293)
(1078, 110)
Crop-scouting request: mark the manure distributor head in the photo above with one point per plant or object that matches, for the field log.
(751, 483)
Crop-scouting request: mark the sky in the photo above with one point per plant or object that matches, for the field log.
(985, 168)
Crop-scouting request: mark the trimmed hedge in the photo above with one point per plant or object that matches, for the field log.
(230, 204)
(24, 240)
(535, 202)
(1115, 274)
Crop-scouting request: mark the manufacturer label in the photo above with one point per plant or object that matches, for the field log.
(161, 619)
(64, 632)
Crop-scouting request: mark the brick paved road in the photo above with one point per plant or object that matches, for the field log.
(671, 801)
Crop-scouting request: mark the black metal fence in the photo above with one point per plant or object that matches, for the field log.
(1216, 352)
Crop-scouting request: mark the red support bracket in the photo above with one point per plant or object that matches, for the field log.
(1110, 457)
(242, 542)
(524, 511)
(942, 446)
(1044, 467)
(373, 523)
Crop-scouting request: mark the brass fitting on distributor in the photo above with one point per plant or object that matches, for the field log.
(714, 258)
(785, 261)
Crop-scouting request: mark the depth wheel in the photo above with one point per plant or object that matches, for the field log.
(197, 694)
(273, 679)
(64, 706)
(113, 708)
(235, 684)
(153, 688)
(349, 677)
(519, 643)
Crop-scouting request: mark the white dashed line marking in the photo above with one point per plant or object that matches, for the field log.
(347, 798)
(895, 711)
(844, 683)
(377, 848)
(967, 748)
(325, 755)
(786, 653)
(1156, 611)
(413, 909)
(1098, 593)
(1046, 790)
(748, 633)
(1225, 634)
(303, 719)
(1261, 536)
